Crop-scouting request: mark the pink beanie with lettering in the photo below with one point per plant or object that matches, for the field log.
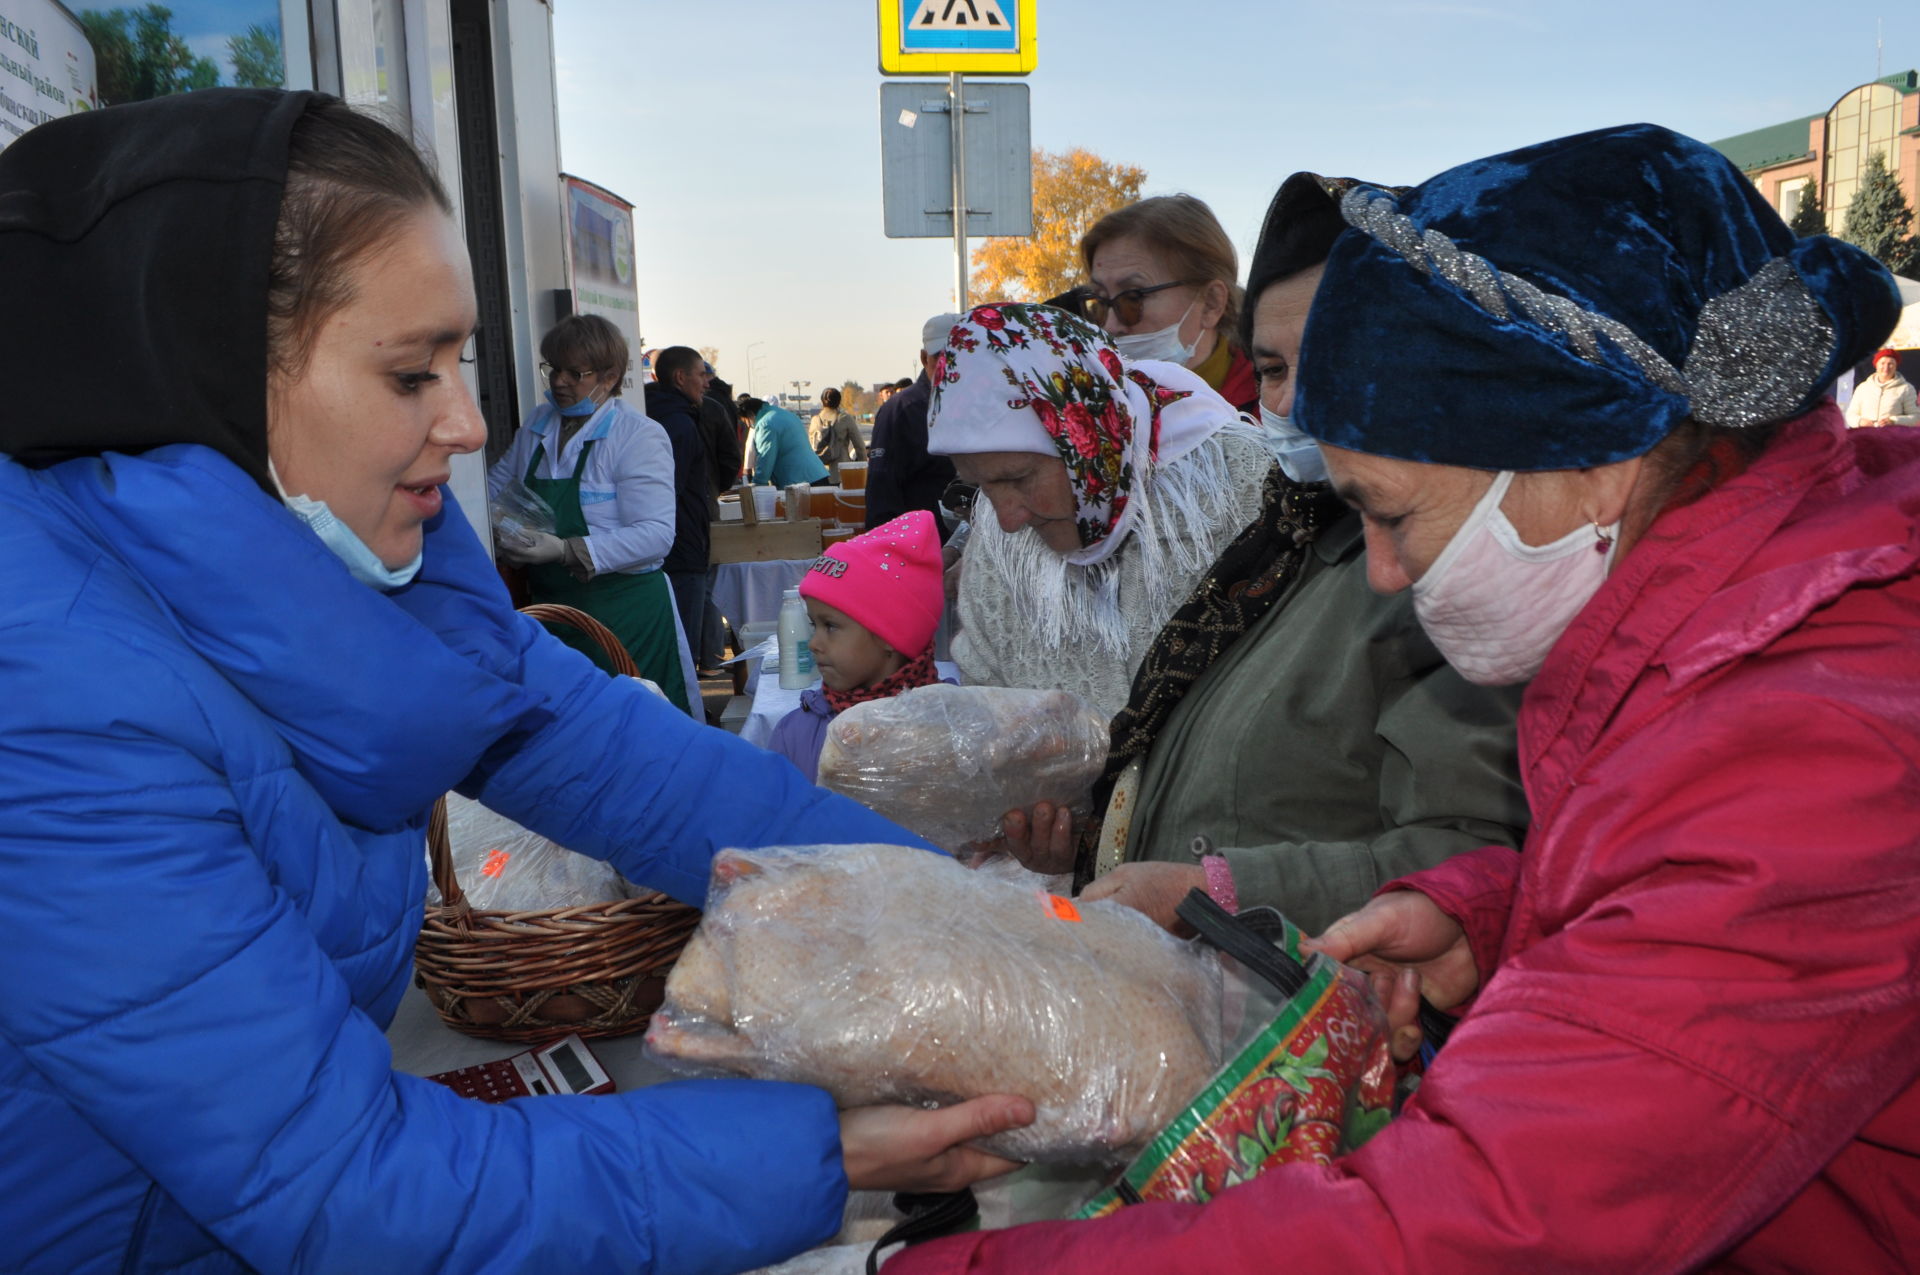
(888, 581)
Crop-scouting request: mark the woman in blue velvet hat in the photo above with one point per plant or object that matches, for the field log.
(1604, 458)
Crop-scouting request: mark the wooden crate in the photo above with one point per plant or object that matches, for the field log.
(766, 541)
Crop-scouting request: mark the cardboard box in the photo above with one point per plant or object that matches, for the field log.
(766, 541)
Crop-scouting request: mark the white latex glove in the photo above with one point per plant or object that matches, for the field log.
(541, 549)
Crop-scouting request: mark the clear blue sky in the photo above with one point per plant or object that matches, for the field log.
(747, 133)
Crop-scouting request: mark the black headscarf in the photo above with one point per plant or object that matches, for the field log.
(139, 239)
(1302, 222)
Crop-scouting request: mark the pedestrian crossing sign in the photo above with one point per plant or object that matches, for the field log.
(976, 37)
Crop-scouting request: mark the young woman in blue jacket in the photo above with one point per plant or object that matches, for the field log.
(245, 641)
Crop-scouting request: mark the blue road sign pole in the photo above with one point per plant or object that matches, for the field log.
(957, 109)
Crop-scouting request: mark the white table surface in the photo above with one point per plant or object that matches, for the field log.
(750, 592)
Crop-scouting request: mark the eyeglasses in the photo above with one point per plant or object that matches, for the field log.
(1129, 305)
(574, 374)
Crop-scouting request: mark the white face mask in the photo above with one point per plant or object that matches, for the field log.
(1164, 345)
(1299, 455)
(1495, 605)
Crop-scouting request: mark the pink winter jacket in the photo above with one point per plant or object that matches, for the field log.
(1698, 1042)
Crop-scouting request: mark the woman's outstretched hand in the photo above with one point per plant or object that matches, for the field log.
(1410, 949)
(912, 1149)
(1153, 888)
(1040, 837)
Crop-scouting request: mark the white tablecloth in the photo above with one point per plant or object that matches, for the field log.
(771, 701)
(749, 592)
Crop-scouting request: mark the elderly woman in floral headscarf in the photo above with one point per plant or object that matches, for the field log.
(1113, 485)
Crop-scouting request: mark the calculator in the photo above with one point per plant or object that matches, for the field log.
(565, 1066)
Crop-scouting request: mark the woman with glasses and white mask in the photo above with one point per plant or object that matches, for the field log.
(606, 470)
(1165, 287)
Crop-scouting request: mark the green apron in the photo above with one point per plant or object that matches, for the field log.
(638, 608)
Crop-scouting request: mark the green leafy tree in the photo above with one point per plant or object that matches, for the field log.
(1880, 221)
(257, 60)
(137, 55)
(1071, 191)
(1810, 218)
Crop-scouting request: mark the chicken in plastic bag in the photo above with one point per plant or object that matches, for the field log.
(518, 513)
(502, 866)
(948, 761)
(884, 974)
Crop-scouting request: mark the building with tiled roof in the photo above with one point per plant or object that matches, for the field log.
(1785, 160)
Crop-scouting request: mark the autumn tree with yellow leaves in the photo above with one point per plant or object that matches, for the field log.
(1071, 190)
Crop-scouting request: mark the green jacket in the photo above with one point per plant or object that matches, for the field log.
(1331, 750)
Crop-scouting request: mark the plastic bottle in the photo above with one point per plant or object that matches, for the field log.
(796, 660)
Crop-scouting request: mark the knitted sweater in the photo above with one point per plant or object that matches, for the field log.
(1028, 618)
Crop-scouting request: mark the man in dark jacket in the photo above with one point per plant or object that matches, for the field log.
(673, 399)
(900, 475)
(725, 449)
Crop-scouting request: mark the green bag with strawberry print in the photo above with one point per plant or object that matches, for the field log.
(1313, 1080)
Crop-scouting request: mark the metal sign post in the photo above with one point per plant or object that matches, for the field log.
(985, 37)
(956, 97)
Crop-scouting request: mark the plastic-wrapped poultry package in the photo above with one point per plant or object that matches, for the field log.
(885, 974)
(502, 866)
(948, 761)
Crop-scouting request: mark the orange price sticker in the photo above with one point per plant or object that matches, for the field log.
(1061, 908)
(496, 863)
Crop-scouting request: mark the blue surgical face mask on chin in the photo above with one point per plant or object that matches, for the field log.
(361, 562)
(579, 407)
(1298, 454)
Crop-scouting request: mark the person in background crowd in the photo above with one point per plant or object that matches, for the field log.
(1165, 285)
(883, 394)
(722, 430)
(250, 639)
(875, 601)
(1114, 485)
(777, 451)
(1303, 724)
(901, 474)
(1885, 398)
(720, 424)
(835, 434)
(604, 469)
(673, 399)
(1691, 1008)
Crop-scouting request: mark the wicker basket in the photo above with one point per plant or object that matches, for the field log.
(597, 970)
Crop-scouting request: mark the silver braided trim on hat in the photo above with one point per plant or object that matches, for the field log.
(1757, 354)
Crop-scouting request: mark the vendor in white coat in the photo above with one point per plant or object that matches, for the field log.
(1885, 398)
(607, 473)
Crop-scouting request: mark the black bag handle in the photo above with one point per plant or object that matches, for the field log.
(928, 1217)
(1238, 938)
(1251, 937)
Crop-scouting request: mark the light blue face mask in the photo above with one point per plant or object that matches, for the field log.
(1299, 455)
(361, 562)
(579, 407)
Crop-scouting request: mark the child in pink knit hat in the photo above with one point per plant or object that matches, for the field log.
(875, 601)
